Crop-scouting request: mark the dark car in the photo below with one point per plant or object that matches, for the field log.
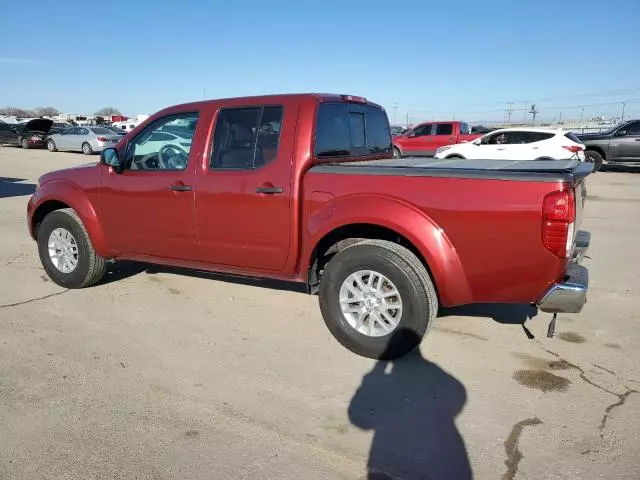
(620, 144)
(27, 135)
(397, 129)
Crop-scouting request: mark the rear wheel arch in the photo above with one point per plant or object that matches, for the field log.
(347, 235)
(439, 257)
(596, 149)
(455, 155)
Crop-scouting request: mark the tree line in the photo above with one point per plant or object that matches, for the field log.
(49, 112)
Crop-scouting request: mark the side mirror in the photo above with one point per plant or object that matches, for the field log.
(410, 134)
(109, 156)
(620, 133)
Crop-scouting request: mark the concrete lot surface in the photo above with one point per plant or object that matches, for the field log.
(162, 374)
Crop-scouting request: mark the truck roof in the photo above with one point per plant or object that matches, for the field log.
(274, 98)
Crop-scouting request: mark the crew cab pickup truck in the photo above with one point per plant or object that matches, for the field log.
(619, 145)
(424, 139)
(302, 188)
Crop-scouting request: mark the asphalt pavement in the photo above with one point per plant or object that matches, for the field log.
(161, 374)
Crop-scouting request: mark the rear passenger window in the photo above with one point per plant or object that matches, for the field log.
(530, 137)
(444, 129)
(344, 130)
(246, 138)
(464, 129)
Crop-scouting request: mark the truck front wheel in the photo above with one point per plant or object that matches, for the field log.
(66, 252)
(377, 299)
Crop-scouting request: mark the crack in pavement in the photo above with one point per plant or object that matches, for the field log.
(461, 333)
(583, 376)
(512, 447)
(622, 397)
(605, 369)
(24, 302)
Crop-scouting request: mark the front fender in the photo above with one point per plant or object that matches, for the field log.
(63, 191)
(408, 221)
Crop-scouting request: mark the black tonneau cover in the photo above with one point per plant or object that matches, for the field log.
(520, 170)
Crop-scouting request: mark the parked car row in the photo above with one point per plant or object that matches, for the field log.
(31, 134)
(446, 140)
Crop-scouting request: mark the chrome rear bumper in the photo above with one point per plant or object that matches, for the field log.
(570, 295)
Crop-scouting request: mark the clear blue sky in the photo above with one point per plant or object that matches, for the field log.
(462, 58)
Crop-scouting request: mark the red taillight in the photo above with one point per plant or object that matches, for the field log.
(102, 139)
(573, 148)
(558, 217)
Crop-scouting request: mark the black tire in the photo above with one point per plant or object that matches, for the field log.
(408, 274)
(592, 156)
(90, 268)
(51, 146)
(24, 143)
(86, 149)
(397, 153)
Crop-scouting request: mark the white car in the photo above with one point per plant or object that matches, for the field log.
(518, 144)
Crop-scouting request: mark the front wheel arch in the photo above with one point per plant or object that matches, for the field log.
(60, 194)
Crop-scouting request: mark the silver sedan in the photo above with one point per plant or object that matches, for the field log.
(83, 139)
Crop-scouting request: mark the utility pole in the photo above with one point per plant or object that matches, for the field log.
(581, 114)
(395, 111)
(560, 121)
(623, 105)
(407, 118)
(509, 110)
(204, 93)
(525, 114)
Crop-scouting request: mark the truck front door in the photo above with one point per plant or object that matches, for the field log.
(625, 147)
(148, 209)
(243, 196)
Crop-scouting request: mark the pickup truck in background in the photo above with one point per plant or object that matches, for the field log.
(424, 139)
(619, 145)
(302, 188)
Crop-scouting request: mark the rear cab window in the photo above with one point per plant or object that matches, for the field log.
(351, 130)
(444, 129)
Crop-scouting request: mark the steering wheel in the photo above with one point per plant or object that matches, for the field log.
(172, 157)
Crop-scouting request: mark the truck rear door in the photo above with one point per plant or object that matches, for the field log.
(243, 194)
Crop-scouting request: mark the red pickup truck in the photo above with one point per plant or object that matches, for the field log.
(302, 188)
(424, 139)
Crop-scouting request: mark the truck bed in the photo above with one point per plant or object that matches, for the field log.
(529, 170)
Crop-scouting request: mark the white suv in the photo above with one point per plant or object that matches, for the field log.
(518, 144)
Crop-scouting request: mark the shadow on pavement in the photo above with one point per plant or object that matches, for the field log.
(505, 313)
(411, 405)
(10, 187)
(612, 167)
(124, 269)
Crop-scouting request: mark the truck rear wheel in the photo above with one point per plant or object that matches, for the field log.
(377, 299)
(66, 252)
